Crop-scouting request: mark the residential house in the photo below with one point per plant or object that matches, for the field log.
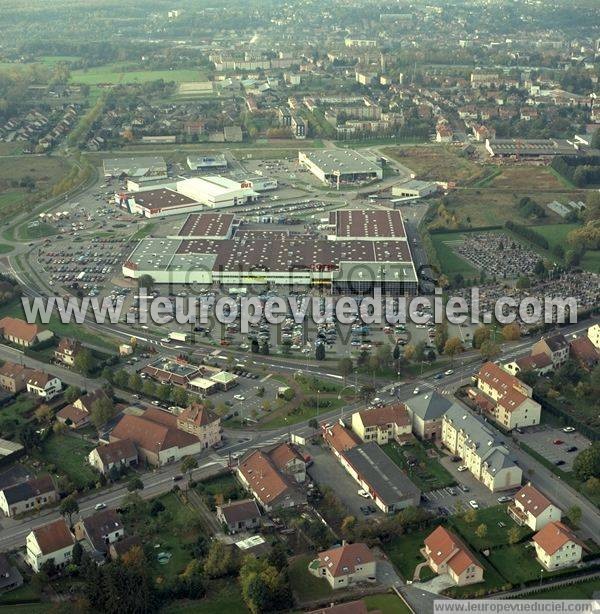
(10, 577)
(339, 439)
(156, 437)
(557, 546)
(556, 347)
(426, 412)
(100, 530)
(43, 385)
(73, 417)
(507, 399)
(66, 351)
(202, 423)
(121, 453)
(530, 507)
(468, 437)
(446, 553)
(593, 334)
(382, 424)
(13, 377)
(51, 541)
(443, 133)
(22, 333)
(288, 461)
(537, 363)
(28, 496)
(345, 565)
(241, 515)
(272, 488)
(584, 352)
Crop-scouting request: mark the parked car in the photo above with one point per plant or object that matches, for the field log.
(363, 493)
(572, 449)
(568, 429)
(504, 499)
(455, 459)
(449, 372)
(559, 462)
(474, 504)
(464, 487)
(239, 397)
(462, 468)
(416, 390)
(99, 506)
(558, 442)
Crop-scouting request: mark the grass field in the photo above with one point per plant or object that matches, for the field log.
(36, 230)
(556, 234)
(223, 596)
(306, 586)
(119, 73)
(526, 178)
(428, 475)
(5, 249)
(69, 455)
(16, 413)
(404, 552)
(490, 517)
(386, 604)
(582, 590)
(435, 163)
(451, 262)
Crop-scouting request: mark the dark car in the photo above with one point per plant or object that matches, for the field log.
(559, 462)
(572, 449)
(455, 459)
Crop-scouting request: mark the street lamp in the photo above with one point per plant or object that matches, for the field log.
(340, 397)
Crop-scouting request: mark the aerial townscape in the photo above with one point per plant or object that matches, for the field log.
(176, 179)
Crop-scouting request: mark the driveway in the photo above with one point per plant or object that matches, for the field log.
(435, 585)
(327, 471)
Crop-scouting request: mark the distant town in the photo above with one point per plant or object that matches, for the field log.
(272, 154)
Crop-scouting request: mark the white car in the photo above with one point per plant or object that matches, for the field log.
(99, 506)
(474, 504)
(449, 372)
(239, 397)
(416, 390)
(461, 468)
(568, 429)
(364, 494)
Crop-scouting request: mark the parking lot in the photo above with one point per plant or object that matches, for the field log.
(327, 471)
(545, 441)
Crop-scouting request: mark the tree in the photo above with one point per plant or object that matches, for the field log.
(409, 352)
(134, 484)
(574, 515)
(72, 393)
(163, 392)
(511, 332)
(420, 351)
(345, 367)
(481, 530)
(441, 336)
(149, 388)
(146, 281)
(513, 535)
(180, 396)
(84, 361)
(254, 346)
(68, 507)
(489, 349)
(452, 347)
(188, 464)
(29, 437)
(320, 352)
(587, 463)
(264, 587)
(43, 413)
(314, 424)
(77, 553)
(102, 411)
(470, 516)
(135, 382)
(220, 560)
(481, 334)
(121, 378)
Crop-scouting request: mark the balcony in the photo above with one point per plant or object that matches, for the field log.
(517, 514)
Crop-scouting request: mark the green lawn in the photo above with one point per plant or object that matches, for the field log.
(518, 563)
(307, 587)
(490, 517)
(301, 413)
(69, 455)
(387, 604)
(144, 231)
(36, 231)
(404, 552)
(26, 592)
(451, 262)
(492, 583)
(15, 413)
(428, 474)
(223, 596)
(5, 249)
(118, 73)
(582, 590)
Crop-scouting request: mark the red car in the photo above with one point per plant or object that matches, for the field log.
(557, 442)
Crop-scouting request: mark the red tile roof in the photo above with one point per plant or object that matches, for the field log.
(263, 478)
(584, 350)
(509, 388)
(350, 607)
(117, 451)
(445, 546)
(536, 361)
(282, 454)
(554, 536)
(74, 414)
(340, 438)
(15, 327)
(343, 560)
(53, 536)
(389, 414)
(198, 415)
(532, 500)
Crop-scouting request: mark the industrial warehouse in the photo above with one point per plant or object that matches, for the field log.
(187, 196)
(143, 167)
(338, 166)
(353, 259)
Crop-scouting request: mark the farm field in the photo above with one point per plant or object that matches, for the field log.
(118, 73)
(436, 163)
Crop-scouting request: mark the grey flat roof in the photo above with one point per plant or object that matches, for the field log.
(376, 468)
(129, 165)
(343, 160)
